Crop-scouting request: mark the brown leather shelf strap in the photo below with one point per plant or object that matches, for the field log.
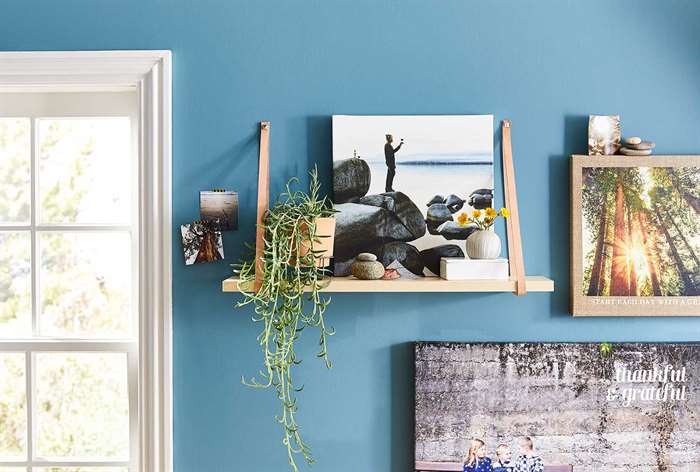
(263, 200)
(516, 263)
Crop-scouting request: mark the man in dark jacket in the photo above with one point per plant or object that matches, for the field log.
(389, 152)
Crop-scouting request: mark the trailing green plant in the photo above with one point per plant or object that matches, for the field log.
(281, 305)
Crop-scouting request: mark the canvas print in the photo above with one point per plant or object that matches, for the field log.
(400, 181)
(221, 207)
(604, 135)
(201, 242)
(640, 234)
(557, 407)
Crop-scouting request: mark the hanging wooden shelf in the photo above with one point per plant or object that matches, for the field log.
(518, 283)
(534, 283)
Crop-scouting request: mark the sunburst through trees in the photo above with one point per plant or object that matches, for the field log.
(641, 234)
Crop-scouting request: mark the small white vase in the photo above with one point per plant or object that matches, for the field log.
(483, 244)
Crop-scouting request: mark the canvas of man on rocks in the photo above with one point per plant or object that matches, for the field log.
(399, 183)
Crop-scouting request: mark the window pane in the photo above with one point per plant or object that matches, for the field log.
(15, 159)
(13, 407)
(85, 284)
(82, 406)
(13, 469)
(15, 284)
(85, 170)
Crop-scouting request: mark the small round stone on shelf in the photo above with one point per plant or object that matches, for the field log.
(366, 257)
(633, 140)
(635, 152)
(643, 146)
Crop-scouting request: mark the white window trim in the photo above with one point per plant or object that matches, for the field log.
(151, 73)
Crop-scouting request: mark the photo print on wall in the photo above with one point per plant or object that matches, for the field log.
(202, 242)
(636, 235)
(219, 206)
(399, 183)
(604, 135)
(557, 407)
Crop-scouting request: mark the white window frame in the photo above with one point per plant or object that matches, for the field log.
(150, 73)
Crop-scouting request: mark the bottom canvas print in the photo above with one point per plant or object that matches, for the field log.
(557, 407)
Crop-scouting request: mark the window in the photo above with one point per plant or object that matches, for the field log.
(70, 301)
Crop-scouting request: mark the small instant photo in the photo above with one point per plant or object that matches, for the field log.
(201, 242)
(221, 207)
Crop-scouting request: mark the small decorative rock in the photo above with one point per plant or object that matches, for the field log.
(635, 152)
(643, 146)
(366, 267)
(366, 257)
(633, 140)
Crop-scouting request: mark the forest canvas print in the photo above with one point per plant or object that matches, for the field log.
(639, 237)
(399, 183)
(557, 407)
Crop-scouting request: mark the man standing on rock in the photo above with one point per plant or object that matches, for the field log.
(389, 152)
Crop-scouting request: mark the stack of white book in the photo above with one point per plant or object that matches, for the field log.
(460, 268)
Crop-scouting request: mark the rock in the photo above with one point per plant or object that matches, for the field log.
(438, 213)
(452, 230)
(454, 203)
(391, 274)
(644, 145)
(431, 257)
(351, 179)
(367, 270)
(635, 152)
(366, 257)
(403, 253)
(481, 199)
(403, 272)
(633, 140)
(436, 199)
(342, 268)
(402, 207)
(363, 228)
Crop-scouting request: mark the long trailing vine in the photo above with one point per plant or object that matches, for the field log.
(281, 305)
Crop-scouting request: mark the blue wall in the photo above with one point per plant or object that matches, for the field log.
(545, 64)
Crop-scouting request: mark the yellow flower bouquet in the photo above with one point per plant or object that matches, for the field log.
(482, 219)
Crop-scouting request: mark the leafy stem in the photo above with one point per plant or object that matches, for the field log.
(289, 267)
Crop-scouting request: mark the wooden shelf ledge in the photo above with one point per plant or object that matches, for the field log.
(534, 283)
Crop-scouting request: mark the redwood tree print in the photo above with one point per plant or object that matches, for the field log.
(202, 242)
(641, 231)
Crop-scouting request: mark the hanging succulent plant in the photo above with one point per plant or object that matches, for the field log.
(299, 230)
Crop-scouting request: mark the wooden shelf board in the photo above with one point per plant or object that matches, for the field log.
(534, 283)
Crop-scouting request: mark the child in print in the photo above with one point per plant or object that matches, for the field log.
(476, 460)
(503, 456)
(528, 461)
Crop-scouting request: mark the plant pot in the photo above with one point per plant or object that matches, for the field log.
(483, 244)
(323, 247)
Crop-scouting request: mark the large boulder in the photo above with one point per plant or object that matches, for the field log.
(436, 199)
(431, 257)
(438, 213)
(405, 254)
(404, 209)
(351, 179)
(481, 198)
(362, 228)
(451, 230)
(454, 203)
(342, 268)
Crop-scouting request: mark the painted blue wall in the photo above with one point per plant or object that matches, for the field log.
(545, 64)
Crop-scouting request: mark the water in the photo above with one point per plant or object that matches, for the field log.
(421, 182)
